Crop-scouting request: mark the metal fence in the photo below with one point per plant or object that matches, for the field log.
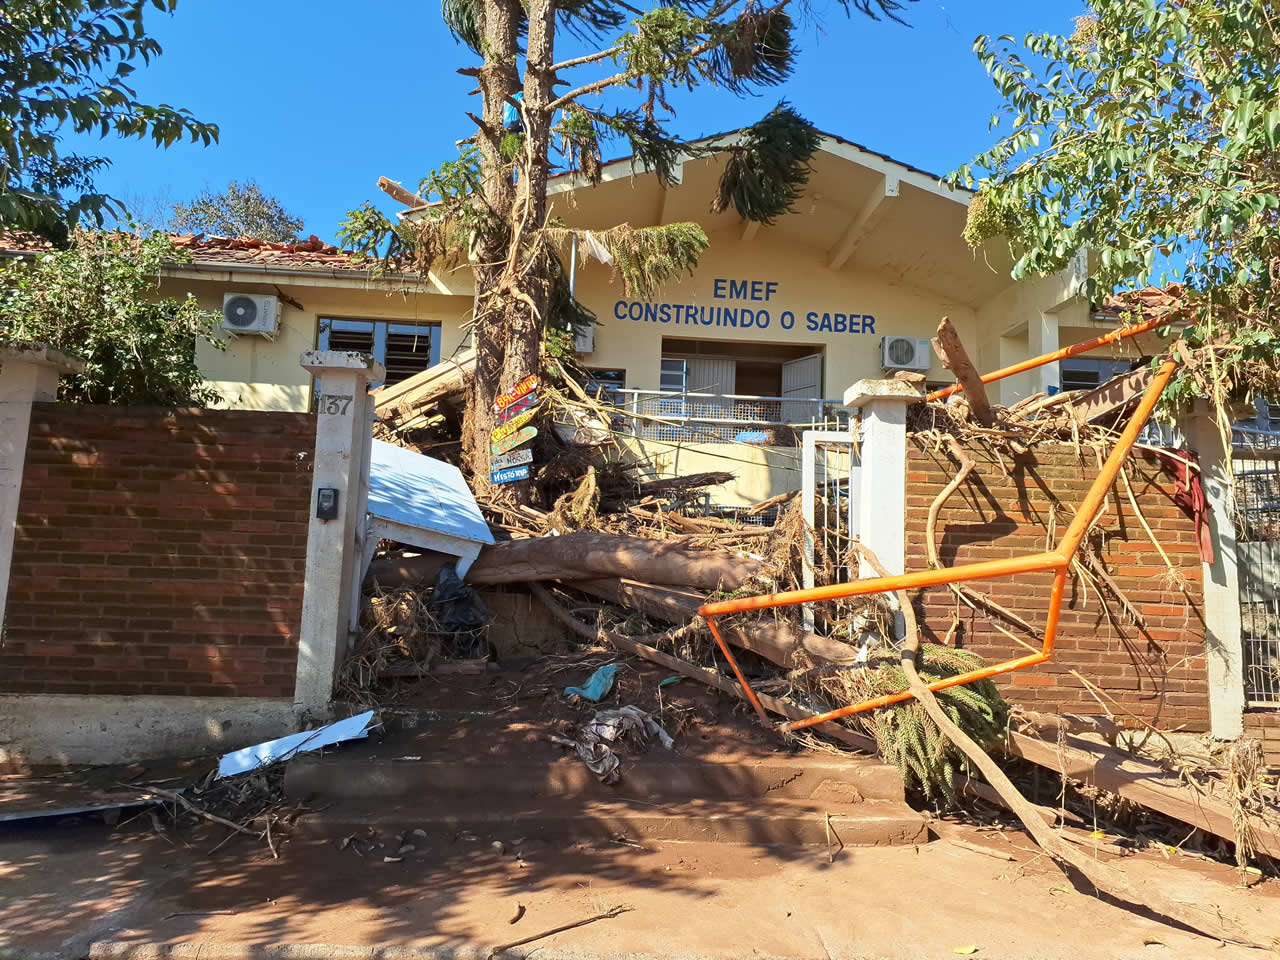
(721, 418)
(1256, 467)
(829, 470)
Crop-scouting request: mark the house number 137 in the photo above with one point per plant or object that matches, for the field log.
(330, 403)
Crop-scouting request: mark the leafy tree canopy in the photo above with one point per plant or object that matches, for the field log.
(1149, 136)
(65, 65)
(242, 210)
(97, 300)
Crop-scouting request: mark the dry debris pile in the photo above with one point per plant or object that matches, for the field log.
(626, 559)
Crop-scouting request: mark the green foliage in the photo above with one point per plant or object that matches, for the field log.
(65, 64)
(768, 168)
(643, 259)
(1150, 137)
(651, 147)
(510, 145)
(462, 17)
(755, 49)
(98, 300)
(443, 231)
(242, 210)
(911, 741)
(580, 142)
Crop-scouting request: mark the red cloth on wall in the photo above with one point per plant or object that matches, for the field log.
(1188, 493)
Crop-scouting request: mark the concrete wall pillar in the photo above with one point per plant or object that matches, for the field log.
(334, 546)
(1224, 652)
(1042, 337)
(882, 494)
(29, 374)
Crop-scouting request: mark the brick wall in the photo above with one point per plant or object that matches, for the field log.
(1265, 725)
(1158, 671)
(159, 552)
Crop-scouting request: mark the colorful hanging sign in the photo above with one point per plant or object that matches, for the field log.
(504, 430)
(507, 476)
(513, 459)
(527, 385)
(528, 401)
(513, 441)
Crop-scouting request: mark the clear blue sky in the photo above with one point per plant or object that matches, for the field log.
(318, 98)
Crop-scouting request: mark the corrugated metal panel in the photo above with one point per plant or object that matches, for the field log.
(801, 378)
(711, 376)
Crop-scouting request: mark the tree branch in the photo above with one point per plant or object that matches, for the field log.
(593, 87)
(397, 192)
(589, 58)
(626, 75)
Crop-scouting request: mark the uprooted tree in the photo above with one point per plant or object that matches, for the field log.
(489, 207)
(1149, 137)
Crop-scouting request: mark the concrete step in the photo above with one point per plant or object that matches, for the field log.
(391, 775)
(770, 821)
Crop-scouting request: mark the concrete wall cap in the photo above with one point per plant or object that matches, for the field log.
(865, 391)
(40, 354)
(331, 361)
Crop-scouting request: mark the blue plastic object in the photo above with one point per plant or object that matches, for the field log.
(600, 683)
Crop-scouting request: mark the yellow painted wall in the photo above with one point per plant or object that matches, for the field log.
(1003, 323)
(759, 472)
(803, 285)
(263, 373)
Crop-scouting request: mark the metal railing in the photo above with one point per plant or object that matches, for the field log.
(1255, 465)
(721, 418)
(1057, 561)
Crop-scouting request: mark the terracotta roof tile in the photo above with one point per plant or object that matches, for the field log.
(1147, 303)
(310, 254)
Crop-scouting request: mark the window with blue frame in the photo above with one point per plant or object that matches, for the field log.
(403, 348)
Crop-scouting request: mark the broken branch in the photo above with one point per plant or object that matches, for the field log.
(396, 192)
(955, 358)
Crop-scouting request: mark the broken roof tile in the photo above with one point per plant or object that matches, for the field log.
(212, 249)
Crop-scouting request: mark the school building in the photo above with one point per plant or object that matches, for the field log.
(722, 366)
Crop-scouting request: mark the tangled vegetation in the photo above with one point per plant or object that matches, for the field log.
(907, 737)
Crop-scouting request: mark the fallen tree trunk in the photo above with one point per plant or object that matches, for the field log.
(1144, 784)
(1049, 726)
(584, 556)
(777, 641)
(701, 674)
(669, 604)
(407, 400)
(692, 481)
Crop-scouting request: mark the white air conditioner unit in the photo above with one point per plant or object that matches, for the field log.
(584, 341)
(250, 313)
(905, 353)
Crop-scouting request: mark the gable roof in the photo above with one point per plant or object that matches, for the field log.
(830, 143)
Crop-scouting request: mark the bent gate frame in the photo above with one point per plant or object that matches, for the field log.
(1058, 560)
